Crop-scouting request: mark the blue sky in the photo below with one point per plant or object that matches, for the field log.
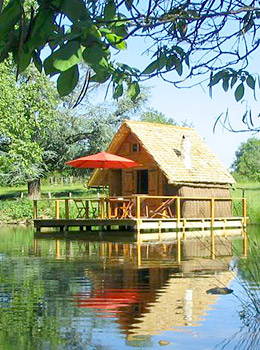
(196, 106)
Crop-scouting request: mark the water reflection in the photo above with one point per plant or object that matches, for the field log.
(248, 336)
(69, 294)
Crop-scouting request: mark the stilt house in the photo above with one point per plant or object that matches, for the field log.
(175, 161)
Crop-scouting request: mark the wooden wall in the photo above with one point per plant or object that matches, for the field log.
(131, 148)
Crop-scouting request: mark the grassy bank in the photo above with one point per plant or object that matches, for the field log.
(251, 190)
(15, 208)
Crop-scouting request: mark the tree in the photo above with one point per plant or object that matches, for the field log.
(153, 116)
(211, 39)
(247, 162)
(39, 132)
(33, 133)
(103, 120)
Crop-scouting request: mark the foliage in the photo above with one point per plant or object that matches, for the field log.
(20, 209)
(154, 116)
(35, 131)
(210, 40)
(27, 111)
(105, 119)
(251, 191)
(39, 132)
(247, 162)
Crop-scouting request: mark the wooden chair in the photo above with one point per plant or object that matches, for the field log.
(164, 210)
(82, 208)
(127, 210)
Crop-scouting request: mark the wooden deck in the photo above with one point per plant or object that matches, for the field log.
(127, 215)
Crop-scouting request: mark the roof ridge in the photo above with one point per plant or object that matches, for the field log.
(128, 121)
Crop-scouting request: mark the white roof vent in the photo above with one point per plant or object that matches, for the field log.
(186, 151)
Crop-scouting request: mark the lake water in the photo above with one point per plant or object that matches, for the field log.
(79, 294)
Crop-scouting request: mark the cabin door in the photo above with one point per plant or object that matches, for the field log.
(128, 183)
(142, 182)
(153, 183)
(115, 182)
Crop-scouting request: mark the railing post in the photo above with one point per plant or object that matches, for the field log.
(212, 211)
(102, 208)
(178, 215)
(57, 209)
(35, 209)
(67, 209)
(138, 207)
(244, 206)
(178, 210)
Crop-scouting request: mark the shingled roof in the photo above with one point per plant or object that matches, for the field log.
(164, 144)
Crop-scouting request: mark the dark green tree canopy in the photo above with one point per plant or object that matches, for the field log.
(247, 162)
(211, 39)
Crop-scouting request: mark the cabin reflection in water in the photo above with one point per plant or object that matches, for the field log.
(143, 287)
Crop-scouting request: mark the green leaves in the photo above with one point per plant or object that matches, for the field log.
(67, 56)
(168, 59)
(116, 41)
(75, 9)
(173, 61)
(239, 92)
(94, 53)
(42, 27)
(133, 90)
(110, 10)
(230, 78)
(9, 17)
(67, 81)
(118, 90)
(151, 68)
(250, 82)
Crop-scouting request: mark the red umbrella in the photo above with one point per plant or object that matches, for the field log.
(103, 160)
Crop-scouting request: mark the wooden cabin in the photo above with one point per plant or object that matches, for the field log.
(175, 161)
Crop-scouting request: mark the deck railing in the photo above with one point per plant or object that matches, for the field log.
(137, 206)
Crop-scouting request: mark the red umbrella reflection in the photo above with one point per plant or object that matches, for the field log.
(108, 301)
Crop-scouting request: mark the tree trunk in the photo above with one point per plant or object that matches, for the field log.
(34, 189)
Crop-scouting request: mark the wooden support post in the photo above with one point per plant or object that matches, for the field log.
(178, 210)
(178, 215)
(138, 207)
(109, 210)
(184, 229)
(212, 211)
(213, 251)
(139, 254)
(224, 227)
(102, 249)
(67, 209)
(35, 209)
(102, 208)
(244, 205)
(35, 247)
(178, 248)
(109, 250)
(245, 243)
(58, 249)
(160, 230)
(138, 224)
(57, 209)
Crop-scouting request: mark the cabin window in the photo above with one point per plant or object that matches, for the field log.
(142, 181)
(135, 148)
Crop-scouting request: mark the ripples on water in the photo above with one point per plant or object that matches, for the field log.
(62, 294)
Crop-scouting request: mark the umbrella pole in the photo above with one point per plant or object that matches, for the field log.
(103, 180)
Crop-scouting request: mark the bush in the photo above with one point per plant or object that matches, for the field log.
(19, 209)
